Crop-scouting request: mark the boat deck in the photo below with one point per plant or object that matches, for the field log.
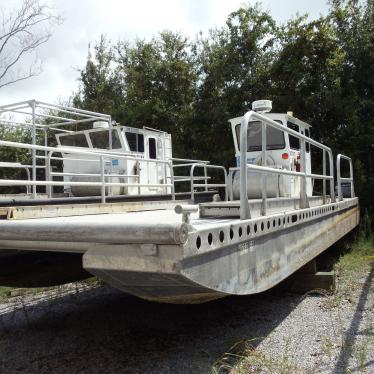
(154, 222)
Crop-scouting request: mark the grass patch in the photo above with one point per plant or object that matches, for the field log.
(5, 293)
(243, 358)
(361, 256)
(353, 266)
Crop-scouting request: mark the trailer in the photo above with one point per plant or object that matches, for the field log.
(234, 232)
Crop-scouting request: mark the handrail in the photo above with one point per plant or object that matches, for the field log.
(340, 179)
(250, 115)
(101, 155)
(269, 170)
(104, 176)
(206, 185)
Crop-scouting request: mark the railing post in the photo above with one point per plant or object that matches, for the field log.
(28, 178)
(172, 180)
(340, 198)
(324, 174)
(45, 152)
(33, 151)
(226, 185)
(102, 173)
(192, 182)
(332, 189)
(110, 138)
(230, 192)
(205, 180)
(263, 175)
(244, 204)
(137, 163)
(303, 195)
(48, 176)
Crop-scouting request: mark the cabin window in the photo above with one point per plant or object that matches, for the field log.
(100, 139)
(76, 140)
(294, 142)
(307, 133)
(116, 141)
(152, 148)
(135, 141)
(274, 137)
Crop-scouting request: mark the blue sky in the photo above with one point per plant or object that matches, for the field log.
(86, 20)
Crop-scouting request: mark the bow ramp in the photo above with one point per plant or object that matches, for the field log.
(112, 201)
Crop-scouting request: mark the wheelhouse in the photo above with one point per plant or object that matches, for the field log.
(138, 144)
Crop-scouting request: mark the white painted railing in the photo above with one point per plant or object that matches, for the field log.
(191, 178)
(244, 204)
(101, 157)
(340, 179)
(205, 185)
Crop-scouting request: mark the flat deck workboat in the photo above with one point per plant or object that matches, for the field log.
(107, 200)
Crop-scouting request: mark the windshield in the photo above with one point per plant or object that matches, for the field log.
(274, 137)
(100, 139)
(76, 140)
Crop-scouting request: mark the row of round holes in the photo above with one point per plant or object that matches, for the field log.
(285, 221)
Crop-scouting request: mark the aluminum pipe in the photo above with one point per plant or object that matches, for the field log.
(93, 232)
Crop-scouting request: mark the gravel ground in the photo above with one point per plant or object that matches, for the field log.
(101, 330)
(320, 339)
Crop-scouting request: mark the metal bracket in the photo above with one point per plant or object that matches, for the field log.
(186, 210)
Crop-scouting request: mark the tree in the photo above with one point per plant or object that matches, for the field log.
(234, 69)
(354, 24)
(22, 31)
(143, 84)
(159, 80)
(306, 75)
(100, 89)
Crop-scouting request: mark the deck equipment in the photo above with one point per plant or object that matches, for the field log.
(116, 211)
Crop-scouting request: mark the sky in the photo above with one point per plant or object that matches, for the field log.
(85, 20)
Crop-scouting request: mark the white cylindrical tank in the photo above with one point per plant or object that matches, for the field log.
(254, 185)
(96, 190)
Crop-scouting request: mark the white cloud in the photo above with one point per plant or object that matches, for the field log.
(86, 20)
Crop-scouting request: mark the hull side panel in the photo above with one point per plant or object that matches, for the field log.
(149, 272)
(255, 265)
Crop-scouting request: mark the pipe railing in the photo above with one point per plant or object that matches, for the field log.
(340, 179)
(191, 178)
(104, 156)
(103, 176)
(244, 204)
(101, 156)
(206, 185)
